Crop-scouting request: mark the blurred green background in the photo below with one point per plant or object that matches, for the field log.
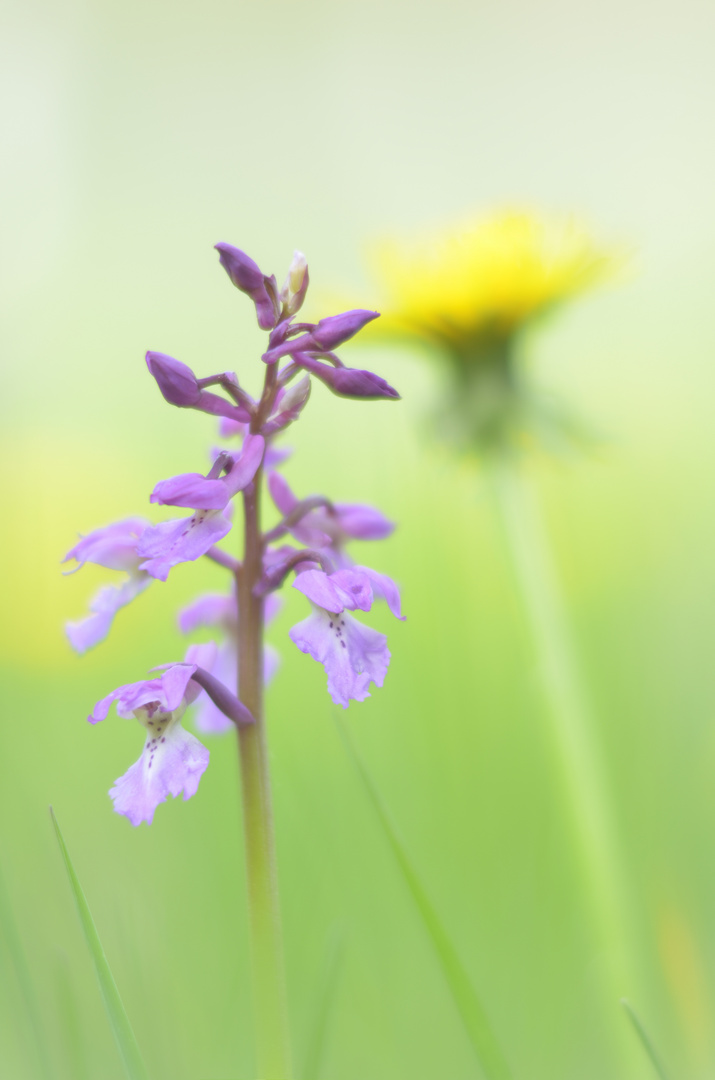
(134, 137)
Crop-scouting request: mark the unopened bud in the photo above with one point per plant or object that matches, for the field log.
(180, 387)
(296, 284)
(323, 338)
(336, 329)
(176, 381)
(246, 275)
(348, 382)
(289, 407)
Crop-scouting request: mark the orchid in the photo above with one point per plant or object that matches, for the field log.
(352, 654)
(322, 524)
(172, 760)
(226, 679)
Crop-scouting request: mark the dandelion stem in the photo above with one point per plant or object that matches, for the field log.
(268, 975)
(572, 727)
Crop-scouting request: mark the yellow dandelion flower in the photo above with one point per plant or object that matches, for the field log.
(472, 287)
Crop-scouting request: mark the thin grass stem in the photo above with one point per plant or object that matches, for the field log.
(70, 1021)
(645, 1039)
(329, 979)
(474, 1017)
(119, 1021)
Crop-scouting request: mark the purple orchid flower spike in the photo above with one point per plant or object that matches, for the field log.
(173, 542)
(172, 761)
(115, 547)
(246, 275)
(353, 655)
(218, 611)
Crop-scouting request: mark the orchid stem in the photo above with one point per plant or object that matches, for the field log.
(573, 730)
(272, 1039)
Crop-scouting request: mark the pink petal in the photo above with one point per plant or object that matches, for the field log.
(86, 633)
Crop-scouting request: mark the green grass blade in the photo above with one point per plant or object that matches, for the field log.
(68, 1013)
(330, 977)
(24, 981)
(474, 1017)
(646, 1040)
(118, 1019)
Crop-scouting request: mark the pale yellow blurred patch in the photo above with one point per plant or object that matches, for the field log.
(686, 980)
(483, 278)
(54, 488)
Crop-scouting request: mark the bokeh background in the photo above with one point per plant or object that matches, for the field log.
(135, 136)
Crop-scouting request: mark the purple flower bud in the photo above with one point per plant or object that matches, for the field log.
(348, 382)
(180, 387)
(176, 381)
(246, 275)
(323, 338)
(336, 329)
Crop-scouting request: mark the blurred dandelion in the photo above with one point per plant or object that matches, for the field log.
(472, 293)
(470, 296)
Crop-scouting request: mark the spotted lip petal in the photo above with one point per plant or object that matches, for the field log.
(172, 761)
(173, 542)
(352, 654)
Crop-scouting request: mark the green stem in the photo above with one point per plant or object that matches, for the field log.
(269, 996)
(573, 731)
